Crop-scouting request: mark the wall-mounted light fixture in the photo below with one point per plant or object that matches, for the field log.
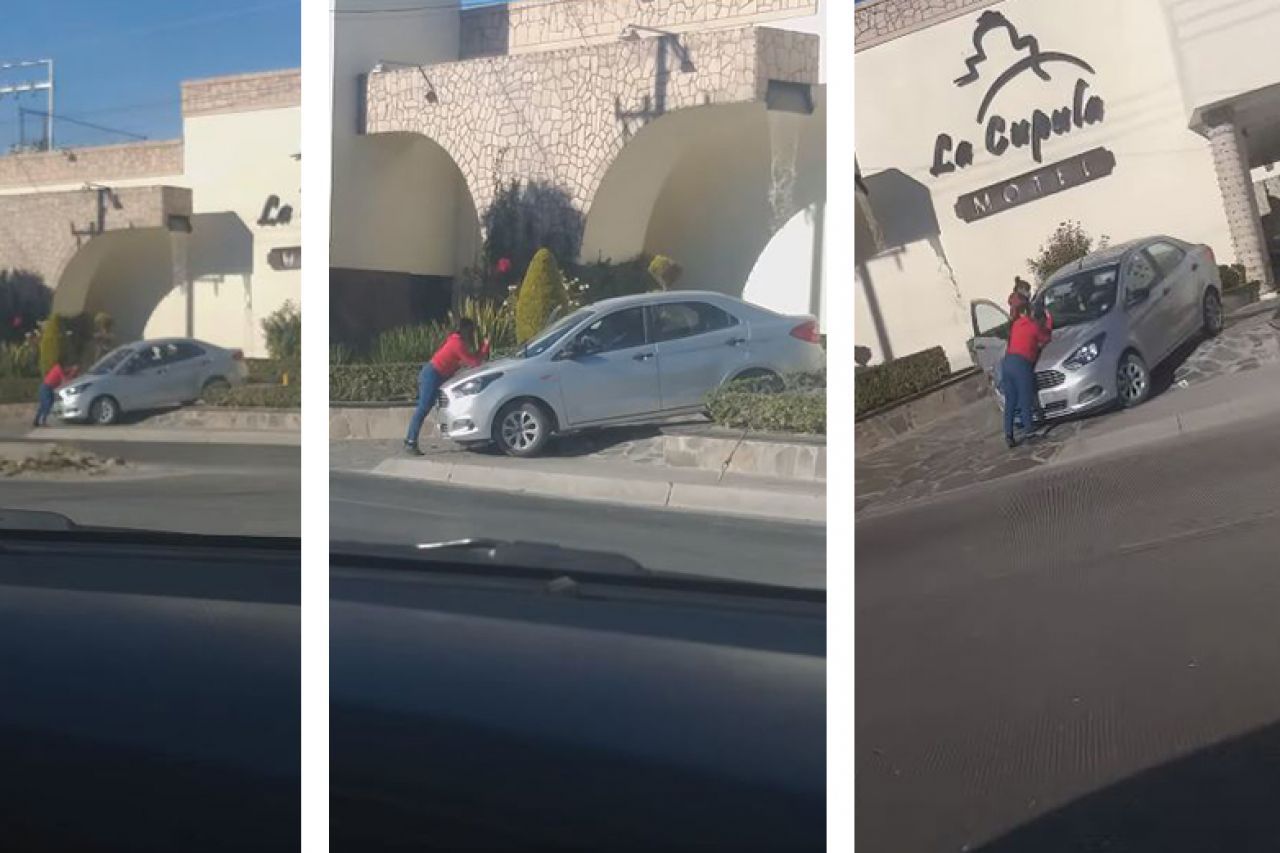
(387, 64)
(631, 33)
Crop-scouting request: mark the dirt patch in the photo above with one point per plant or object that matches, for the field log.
(45, 461)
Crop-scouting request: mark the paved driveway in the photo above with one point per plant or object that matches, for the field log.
(968, 447)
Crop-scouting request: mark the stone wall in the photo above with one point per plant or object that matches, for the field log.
(562, 118)
(524, 26)
(42, 231)
(242, 93)
(98, 164)
(879, 21)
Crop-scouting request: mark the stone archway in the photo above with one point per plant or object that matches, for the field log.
(126, 274)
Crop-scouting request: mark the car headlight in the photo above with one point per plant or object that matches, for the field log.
(1085, 354)
(76, 390)
(474, 386)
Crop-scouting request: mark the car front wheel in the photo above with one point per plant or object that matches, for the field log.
(1133, 381)
(522, 429)
(104, 411)
(1212, 313)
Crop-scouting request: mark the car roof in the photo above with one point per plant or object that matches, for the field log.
(149, 342)
(663, 296)
(1111, 255)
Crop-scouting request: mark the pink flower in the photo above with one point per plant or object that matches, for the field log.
(503, 266)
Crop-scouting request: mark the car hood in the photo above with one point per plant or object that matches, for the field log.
(82, 382)
(1067, 340)
(502, 365)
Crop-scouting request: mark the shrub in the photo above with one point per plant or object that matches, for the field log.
(341, 354)
(607, 280)
(541, 293)
(257, 396)
(665, 271)
(757, 404)
(268, 371)
(1069, 242)
(19, 389)
(373, 383)
(406, 344)
(495, 321)
(283, 331)
(882, 384)
(1233, 276)
(20, 359)
(50, 343)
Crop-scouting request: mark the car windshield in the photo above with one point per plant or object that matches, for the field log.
(550, 336)
(1081, 297)
(109, 362)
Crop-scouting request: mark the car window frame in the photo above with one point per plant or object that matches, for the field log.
(644, 320)
(196, 352)
(1127, 278)
(1182, 256)
(651, 319)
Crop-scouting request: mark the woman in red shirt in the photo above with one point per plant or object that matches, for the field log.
(1027, 337)
(453, 353)
(52, 381)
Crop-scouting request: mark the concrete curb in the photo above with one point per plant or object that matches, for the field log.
(165, 435)
(1171, 426)
(763, 501)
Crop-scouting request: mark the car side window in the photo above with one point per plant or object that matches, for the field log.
(184, 351)
(989, 321)
(617, 331)
(675, 320)
(1140, 274)
(1166, 256)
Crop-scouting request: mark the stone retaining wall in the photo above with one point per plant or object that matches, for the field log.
(883, 428)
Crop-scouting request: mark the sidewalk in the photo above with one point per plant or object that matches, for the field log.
(620, 482)
(163, 435)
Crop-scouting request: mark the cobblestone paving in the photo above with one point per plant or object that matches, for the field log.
(969, 448)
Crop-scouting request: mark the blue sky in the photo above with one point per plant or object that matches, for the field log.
(119, 62)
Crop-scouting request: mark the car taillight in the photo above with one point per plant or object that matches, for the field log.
(807, 332)
(237, 355)
(1213, 262)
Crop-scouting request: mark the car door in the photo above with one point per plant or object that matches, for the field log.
(990, 337)
(187, 364)
(142, 382)
(1178, 280)
(609, 370)
(1147, 307)
(699, 346)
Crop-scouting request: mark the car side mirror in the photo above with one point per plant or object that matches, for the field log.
(1138, 296)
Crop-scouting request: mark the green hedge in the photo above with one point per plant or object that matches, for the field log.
(19, 390)
(373, 383)
(268, 371)
(258, 397)
(758, 405)
(878, 386)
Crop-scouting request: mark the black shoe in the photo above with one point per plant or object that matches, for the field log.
(1010, 441)
(412, 448)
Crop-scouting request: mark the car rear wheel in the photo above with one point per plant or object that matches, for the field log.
(104, 411)
(214, 386)
(522, 429)
(1212, 313)
(1133, 381)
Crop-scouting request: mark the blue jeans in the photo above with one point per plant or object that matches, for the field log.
(1018, 384)
(45, 405)
(428, 386)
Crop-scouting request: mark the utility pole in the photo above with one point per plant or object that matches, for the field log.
(45, 85)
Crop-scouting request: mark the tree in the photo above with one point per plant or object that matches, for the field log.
(50, 344)
(665, 271)
(1069, 242)
(542, 292)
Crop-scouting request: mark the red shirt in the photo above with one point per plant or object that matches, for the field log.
(455, 352)
(55, 376)
(1027, 337)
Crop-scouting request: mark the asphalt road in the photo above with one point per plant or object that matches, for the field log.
(196, 488)
(1085, 658)
(368, 508)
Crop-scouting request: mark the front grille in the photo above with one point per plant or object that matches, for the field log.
(1050, 379)
(442, 400)
(1055, 406)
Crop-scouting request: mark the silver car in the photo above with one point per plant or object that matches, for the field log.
(149, 375)
(622, 361)
(1117, 314)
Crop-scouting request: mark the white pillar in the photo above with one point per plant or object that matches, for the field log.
(1230, 161)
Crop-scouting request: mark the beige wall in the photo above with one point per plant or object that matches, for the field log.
(934, 263)
(1224, 48)
(396, 202)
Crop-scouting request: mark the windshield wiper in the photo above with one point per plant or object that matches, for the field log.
(533, 555)
(32, 519)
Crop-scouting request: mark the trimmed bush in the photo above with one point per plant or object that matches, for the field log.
(19, 390)
(607, 280)
(757, 405)
(1233, 277)
(541, 293)
(373, 383)
(258, 397)
(50, 343)
(268, 371)
(878, 386)
(283, 331)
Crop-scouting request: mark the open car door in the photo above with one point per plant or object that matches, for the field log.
(990, 337)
